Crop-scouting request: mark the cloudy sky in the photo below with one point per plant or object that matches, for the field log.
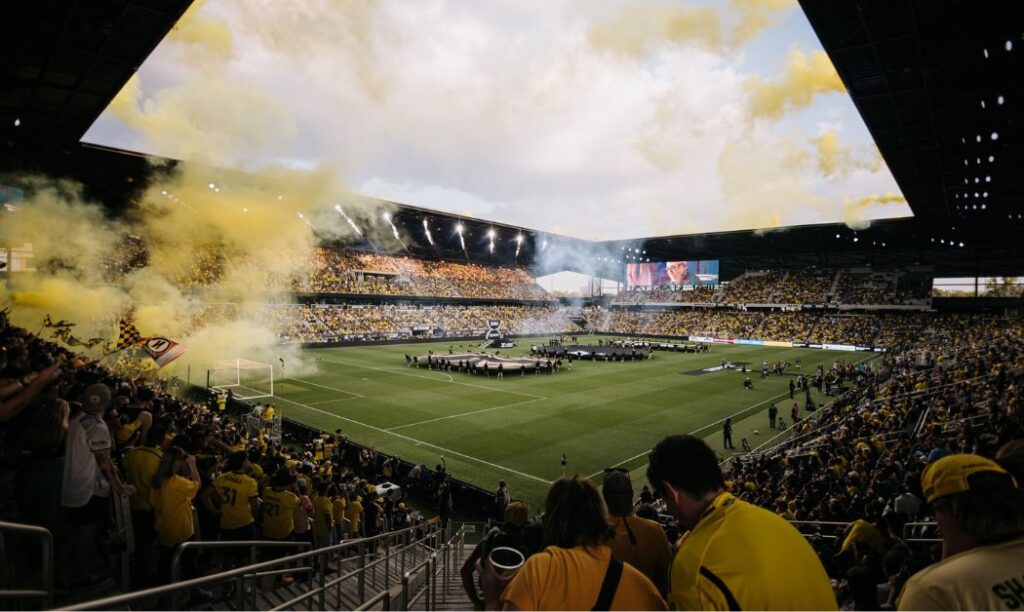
(599, 120)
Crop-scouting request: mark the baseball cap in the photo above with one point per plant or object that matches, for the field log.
(95, 398)
(517, 513)
(618, 493)
(953, 474)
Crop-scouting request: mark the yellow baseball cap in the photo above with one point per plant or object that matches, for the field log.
(951, 475)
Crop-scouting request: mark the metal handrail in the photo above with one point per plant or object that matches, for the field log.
(383, 596)
(46, 571)
(236, 574)
(252, 545)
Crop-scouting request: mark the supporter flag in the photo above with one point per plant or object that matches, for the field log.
(162, 350)
(129, 336)
(64, 335)
(47, 322)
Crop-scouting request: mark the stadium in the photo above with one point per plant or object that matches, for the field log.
(633, 305)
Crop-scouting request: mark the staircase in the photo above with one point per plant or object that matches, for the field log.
(835, 286)
(413, 569)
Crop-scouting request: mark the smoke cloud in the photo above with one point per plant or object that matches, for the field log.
(207, 242)
(804, 77)
(638, 29)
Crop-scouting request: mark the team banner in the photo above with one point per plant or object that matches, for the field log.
(162, 350)
(672, 273)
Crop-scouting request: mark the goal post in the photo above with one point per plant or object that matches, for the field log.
(245, 378)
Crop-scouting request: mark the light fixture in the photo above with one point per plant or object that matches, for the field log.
(17, 121)
(995, 136)
(490, 234)
(458, 228)
(1000, 100)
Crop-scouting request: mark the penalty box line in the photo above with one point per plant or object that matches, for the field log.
(335, 389)
(419, 442)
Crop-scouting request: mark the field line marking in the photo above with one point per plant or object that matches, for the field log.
(352, 393)
(462, 414)
(694, 432)
(771, 399)
(450, 379)
(415, 441)
(334, 401)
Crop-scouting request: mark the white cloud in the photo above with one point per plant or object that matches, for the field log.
(505, 109)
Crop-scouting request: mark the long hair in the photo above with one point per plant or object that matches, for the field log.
(168, 464)
(48, 426)
(574, 514)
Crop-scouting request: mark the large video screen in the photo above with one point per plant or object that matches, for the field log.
(672, 273)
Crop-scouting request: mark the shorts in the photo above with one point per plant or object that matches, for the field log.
(239, 533)
(143, 525)
(95, 512)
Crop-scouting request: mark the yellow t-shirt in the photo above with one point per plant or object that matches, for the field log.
(983, 578)
(172, 510)
(340, 504)
(570, 579)
(741, 556)
(323, 520)
(140, 465)
(278, 513)
(863, 533)
(650, 554)
(126, 431)
(235, 491)
(354, 514)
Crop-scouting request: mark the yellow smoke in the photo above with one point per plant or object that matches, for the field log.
(854, 208)
(639, 28)
(754, 16)
(805, 76)
(220, 228)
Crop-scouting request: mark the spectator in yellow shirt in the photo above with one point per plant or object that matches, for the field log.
(340, 505)
(323, 516)
(354, 514)
(277, 510)
(171, 497)
(637, 541)
(574, 569)
(735, 555)
(140, 466)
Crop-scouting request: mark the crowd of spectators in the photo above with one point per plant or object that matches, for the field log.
(858, 330)
(780, 287)
(75, 437)
(690, 294)
(356, 272)
(327, 323)
(866, 288)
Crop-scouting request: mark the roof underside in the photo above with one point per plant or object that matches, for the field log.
(916, 70)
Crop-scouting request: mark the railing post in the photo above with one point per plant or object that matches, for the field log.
(322, 596)
(362, 573)
(433, 583)
(47, 578)
(405, 591)
(240, 593)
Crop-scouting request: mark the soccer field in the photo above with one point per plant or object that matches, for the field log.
(599, 414)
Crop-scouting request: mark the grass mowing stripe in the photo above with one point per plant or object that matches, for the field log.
(418, 442)
(352, 393)
(462, 414)
(694, 432)
(450, 379)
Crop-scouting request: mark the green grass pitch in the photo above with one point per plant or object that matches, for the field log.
(600, 414)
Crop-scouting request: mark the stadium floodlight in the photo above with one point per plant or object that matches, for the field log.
(386, 216)
(458, 228)
(519, 238)
(490, 233)
(17, 120)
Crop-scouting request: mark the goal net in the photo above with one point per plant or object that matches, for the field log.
(246, 379)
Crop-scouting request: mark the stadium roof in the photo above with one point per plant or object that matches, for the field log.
(917, 71)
